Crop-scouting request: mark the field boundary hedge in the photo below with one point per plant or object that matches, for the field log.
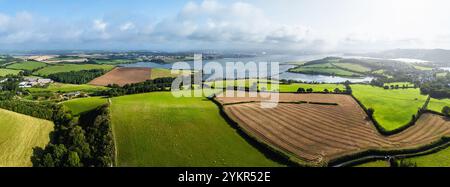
(269, 151)
(352, 158)
(383, 131)
(372, 154)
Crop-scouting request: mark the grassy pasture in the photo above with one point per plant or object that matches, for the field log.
(114, 61)
(281, 87)
(298, 63)
(18, 135)
(423, 68)
(239, 82)
(382, 72)
(437, 105)
(352, 67)
(28, 65)
(316, 87)
(443, 74)
(78, 106)
(439, 159)
(393, 108)
(4, 72)
(70, 67)
(195, 134)
(375, 164)
(65, 88)
(317, 69)
(161, 73)
(332, 66)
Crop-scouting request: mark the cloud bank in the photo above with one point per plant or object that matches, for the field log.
(205, 25)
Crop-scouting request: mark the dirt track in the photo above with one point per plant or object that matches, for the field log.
(122, 76)
(318, 133)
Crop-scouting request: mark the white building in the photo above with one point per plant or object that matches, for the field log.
(30, 82)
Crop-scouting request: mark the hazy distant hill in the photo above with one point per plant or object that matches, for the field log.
(440, 56)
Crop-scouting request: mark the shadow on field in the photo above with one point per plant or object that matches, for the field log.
(263, 148)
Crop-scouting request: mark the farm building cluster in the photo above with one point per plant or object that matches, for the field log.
(30, 82)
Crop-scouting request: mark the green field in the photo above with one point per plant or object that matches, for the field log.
(70, 67)
(375, 164)
(161, 73)
(393, 108)
(439, 159)
(65, 88)
(298, 63)
(114, 61)
(437, 105)
(4, 72)
(382, 72)
(195, 134)
(316, 87)
(352, 67)
(315, 69)
(332, 66)
(239, 82)
(281, 87)
(443, 74)
(18, 135)
(423, 68)
(61, 58)
(81, 105)
(29, 65)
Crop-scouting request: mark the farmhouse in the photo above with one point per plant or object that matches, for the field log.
(30, 82)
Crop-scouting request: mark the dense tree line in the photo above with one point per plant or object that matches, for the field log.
(380, 82)
(77, 77)
(87, 142)
(97, 126)
(159, 84)
(446, 111)
(402, 163)
(439, 88)
(11, 83)
(35, 109)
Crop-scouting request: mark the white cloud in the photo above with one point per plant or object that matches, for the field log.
(100, 25)
(127, 26)
(211, 24)
(235, 23)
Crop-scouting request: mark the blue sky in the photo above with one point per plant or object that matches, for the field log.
(173, 25)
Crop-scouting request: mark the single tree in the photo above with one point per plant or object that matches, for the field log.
(370, 112)
(446, 111)
(337, 90)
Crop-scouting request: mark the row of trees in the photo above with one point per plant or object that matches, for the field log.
(159, 84)
(310, 90)
(87, 142)
(77, 77)
(38, 110)
(392, 87)
(380, 82)
(336, 90)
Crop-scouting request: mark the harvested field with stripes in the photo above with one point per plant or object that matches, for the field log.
(308, 127)
(122, 76)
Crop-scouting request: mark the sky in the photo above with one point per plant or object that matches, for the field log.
(181, 25)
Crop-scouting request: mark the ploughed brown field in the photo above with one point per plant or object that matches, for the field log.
(122, 76)
(318, 133)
